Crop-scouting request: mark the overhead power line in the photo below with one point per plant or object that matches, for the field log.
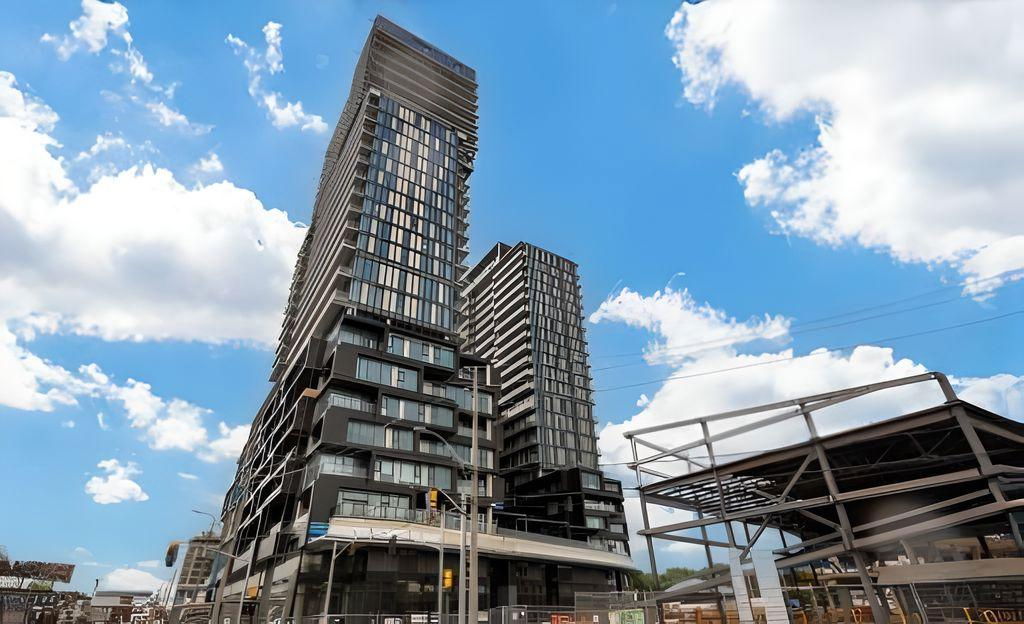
(799, 328)
(877, 342)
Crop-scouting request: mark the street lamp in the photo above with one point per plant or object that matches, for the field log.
(474, 459)
(213, 519)
(463, 513)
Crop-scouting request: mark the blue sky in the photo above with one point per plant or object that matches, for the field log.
(744, 188)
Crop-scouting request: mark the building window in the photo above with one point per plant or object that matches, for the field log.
(417, 412)
(412, 473)
(422, 351)
(360, 504)
(387, 374)
(349, 401)
(372, 434)
(595, 522)
(590, 480)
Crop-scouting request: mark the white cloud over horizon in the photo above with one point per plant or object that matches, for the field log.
(282, 113)
(131, 579)
(676, 321)
(675, 318)
(916, 106)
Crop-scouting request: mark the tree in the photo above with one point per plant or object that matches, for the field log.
(645, 581)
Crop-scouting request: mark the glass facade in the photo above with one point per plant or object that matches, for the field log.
(416, 412)
(412, 473)
(373, 434)
(406, 258)
(386, 373)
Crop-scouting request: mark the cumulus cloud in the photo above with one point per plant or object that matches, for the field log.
(28, 382)
(136, 255)
(104, 142)
(282, 113)
(767, 375)
(131, 579)
(228, 446)
(677, 318)
(117, 485)
(91, 32)
(916, 106)
(209, 164)
(173, 424)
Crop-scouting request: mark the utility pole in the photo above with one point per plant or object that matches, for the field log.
(474, 555)
(440, 569)
(462, 561)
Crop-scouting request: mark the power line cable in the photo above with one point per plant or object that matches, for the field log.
(730, 341)
(820, 352)
(1012, 275)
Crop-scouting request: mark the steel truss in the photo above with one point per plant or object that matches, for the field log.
(854, 499)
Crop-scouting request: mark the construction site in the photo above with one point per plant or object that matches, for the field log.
(910, 517)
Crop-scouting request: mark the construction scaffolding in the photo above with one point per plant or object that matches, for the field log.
(911, 517)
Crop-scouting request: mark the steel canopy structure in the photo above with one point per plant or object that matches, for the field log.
(923, 497)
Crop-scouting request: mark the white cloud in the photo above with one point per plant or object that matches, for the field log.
(20, 108)
(173, 424)
(117, 486)
(756, 384)
(28, 382)
(188, 476)
(136, 255)
(228, 446)
(688, 328)
(918, 117)
(130, 579)
(67, 424)
(149, 563)
(136, 64)
(209, 164)
(169, 117)
(82, 551)
(91, 29)
(103, 143)
(273, 55)
(282, 113)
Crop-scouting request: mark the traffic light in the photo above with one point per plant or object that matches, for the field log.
(447, 579)
(433, 499)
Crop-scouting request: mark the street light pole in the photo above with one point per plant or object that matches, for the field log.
(463, 512)
(440, 570)
(213, 519)
(474, 570)
(462, 561)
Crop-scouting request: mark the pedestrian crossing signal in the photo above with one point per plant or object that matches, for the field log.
(447, 582)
